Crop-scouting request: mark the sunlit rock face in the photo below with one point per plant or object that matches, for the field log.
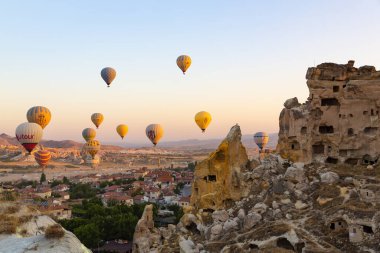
(339, 123)
(217, 179)
(146, 236)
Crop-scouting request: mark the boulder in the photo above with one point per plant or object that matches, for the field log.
(220, 216)
(329, 177)
(295, 175)
(251, 220)
(216, 231)
(291, 102)
(241, 214)
(230, 225)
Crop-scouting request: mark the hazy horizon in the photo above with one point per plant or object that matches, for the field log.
(246, 63)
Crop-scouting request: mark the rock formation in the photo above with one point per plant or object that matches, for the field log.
(339, 123)
(146, 236)
(282, 207)
(22, 230)
(217, 179)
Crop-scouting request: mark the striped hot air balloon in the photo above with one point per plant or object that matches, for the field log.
(40, 115)
(261, 139)
(42, 157)
(88, 134)
(183, 62)
(108, 74)
(154, 132)
(29, 135)
(97, 119)
(92, 147)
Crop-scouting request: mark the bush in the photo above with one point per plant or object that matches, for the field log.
(54, 232)
(8, 224)
(12, 209)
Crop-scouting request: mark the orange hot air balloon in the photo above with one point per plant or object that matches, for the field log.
(42, 157)
(183, 62)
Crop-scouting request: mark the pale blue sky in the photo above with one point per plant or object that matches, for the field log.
(248, 58)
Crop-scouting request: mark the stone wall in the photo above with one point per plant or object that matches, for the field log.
(339, 123)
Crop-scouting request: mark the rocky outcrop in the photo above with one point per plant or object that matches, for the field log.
(339, 123)
(217, 179)
(282, 207)
(146, 236)
(22, 230)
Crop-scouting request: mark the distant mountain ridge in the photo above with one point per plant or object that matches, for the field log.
(191, 144)
(214, 143)
(7, 140)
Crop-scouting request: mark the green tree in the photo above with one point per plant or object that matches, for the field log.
(55, 183)
(65, 180)
(178, 212)
(88, 234)
(80, 191)
(42, 178)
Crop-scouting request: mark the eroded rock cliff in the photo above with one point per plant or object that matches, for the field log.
(339, 123)
(217, 179)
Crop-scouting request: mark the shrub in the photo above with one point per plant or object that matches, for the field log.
(12, 209)
(54, 232)
(8, 224)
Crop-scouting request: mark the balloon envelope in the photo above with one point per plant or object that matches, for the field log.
(97, 119)
(42, 157)
(108, 74)
(183, 62)
(122, 130)
(40, 115)
(154, 132)
(89, 134)
(93, 147)
(261, 139)
(203, 119)
(29, 135)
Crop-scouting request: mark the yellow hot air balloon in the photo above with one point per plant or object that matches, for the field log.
(89, 134)
(203, 119)
(154, 132)
(92, 147)
(183, 62)
(108, 74)
(122, 130)
(40, 115)
(97, 119)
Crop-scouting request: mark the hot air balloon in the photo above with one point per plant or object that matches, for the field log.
(93, 147)
(122, 130)
(97, 119)
(108, 74)
(40, 115)
(154, 132)
(261, 139)
(183, 62)
(29, 135)
(203, 119)
(42, 157)
(89, 134)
